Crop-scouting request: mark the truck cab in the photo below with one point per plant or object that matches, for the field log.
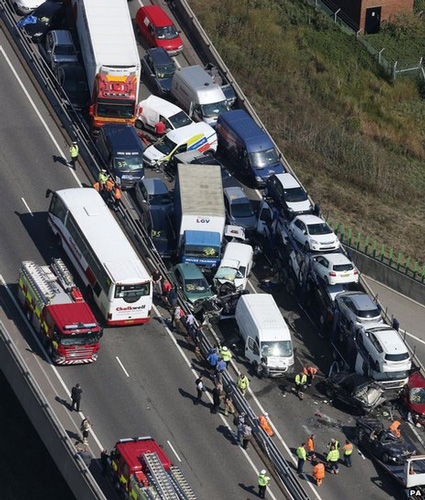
(202, 248)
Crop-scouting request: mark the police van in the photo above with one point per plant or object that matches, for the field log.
(195, 137)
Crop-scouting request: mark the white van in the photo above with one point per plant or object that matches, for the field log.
(193, 88)
(153, 109)
(235, 266)
(268, 343)
(197, 136)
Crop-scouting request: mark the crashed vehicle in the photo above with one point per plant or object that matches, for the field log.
(374, 439)
(234, 269)
(359, 393)
(413, 397)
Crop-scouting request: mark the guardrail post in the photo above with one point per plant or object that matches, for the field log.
(336, 15)
(349, 236)
(358, 241)
(407, 266)
(415, 269)
(374, 245)
(399, 257)
(423, 274)
(336, 227)
(366, 244)
(390, 257)
(380, 54)
(382, 252)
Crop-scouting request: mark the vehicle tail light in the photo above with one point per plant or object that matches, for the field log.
(140, 110)
(356, 272)
(332, 274)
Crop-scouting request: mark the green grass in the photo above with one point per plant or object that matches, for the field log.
(355, 139)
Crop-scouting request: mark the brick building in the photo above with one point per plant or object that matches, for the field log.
(368, 14)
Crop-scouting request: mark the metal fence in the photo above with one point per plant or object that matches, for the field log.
(391, 67)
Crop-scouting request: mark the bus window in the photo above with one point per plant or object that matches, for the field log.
(58, 208)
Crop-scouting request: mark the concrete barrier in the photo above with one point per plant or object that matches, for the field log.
(42, 416)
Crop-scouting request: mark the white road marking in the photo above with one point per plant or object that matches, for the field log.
(174, 451)
(28, 208)
(122, 366)
(62, 154)
(413, 336)
(47, 359)
(208, 395)
(394, 291)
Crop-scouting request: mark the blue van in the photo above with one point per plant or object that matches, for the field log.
(122, 151)
(247, 146)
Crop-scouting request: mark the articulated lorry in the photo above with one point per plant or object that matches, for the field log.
(200, 214)
(109, 50)
(56, 309)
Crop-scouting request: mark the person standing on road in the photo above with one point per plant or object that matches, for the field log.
(332, 459)
(263, 481)
(394, 428)
(302, 457)
(310, 372)
(85, 427)
(221, 366)
(117, 197)
(157, 281)
(212, 359)
(347, 450)
(240, 431)
(300, 382)
(229, 407)
(263, 421)
(216, 395)
(243, 383)
(76, 392)
(246, 436)
(225, 355)
(102, 179)
(200, 389)
(74, 152)
(311, 445)
(318, 472)
(333, 443)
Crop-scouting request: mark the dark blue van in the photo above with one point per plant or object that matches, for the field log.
(122, 151)
(247, 146)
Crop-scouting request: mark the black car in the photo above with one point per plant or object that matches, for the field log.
(159, 225)
(373, 438)
(73, 81)
(159, 68)
(353, 390)
(48, 16)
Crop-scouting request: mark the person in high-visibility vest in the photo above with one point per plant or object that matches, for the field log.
(332, 458)
(243, 383)
(311, 445)
(302, 457)
(310, 372)
(300, 382)
(225, 355)
(74, 152)
(264, 424)
(347, 450)
(318, 472)
(102, 178)
(96, 186)
(333, 443)
(117, 196)
(394, 428)
(263, 481)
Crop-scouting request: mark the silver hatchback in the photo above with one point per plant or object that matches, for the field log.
(60, 49)
(357, 309)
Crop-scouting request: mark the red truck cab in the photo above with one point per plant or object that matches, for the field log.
(158, 29)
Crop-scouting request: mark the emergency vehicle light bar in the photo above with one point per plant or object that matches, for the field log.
(80, 325)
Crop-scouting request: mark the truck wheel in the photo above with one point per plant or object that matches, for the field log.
(329, 393)
(258, 369)
(139, 124)
(28, 313)
(49, 349)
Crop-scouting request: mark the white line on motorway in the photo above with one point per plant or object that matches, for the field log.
(28, 208)
(122, 366)
(38, 112)
(174, 451)
(47, 359)
(393, 291)
(208, 395)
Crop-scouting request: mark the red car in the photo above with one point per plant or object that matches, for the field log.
(413, 397)
(158, 29)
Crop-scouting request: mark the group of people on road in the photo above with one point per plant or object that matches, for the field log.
(307, 452)
(304, 379)
(109, 189)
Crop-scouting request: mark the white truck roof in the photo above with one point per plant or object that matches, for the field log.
(111, 32)
(201, 190)
(238, 252)
(201, 82)
(265, 315)
(161, 106)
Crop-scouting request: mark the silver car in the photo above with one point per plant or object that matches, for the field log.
(357, 309)
(60, 49)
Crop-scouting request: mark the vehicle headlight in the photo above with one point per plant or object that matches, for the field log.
(180, 47)
(290, 209)
(95, 356)
(314, 242)
(258, 178)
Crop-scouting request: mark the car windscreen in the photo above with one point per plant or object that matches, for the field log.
(160, 200)
(75, 84)
(126, 163)
(417, 395)
(65, 50)
(179, 120)
(317, 229)
(196, 285)
(264, 159)
(226, 273)
(166, 33)
(276, 348)
(79, 339)
(342, 267)
(397, 357)
(165, 145)
(390, 375)
(214, 109)
(243, 209)
(201, 251)
(107, 109)
(294, 195)
(165, 71)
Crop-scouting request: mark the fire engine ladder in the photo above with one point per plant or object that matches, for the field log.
(160, 478)
(39, 281)
(64, 276)
(180, 482)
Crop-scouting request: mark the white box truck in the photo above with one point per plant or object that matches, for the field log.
(268, 343)
(109, 51)
(200, 214)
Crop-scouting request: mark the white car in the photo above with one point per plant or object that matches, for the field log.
(335, 268)
(235, 266)
(385, 347)
(25, 7)
(313, 233)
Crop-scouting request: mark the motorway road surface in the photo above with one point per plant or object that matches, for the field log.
(148, 391)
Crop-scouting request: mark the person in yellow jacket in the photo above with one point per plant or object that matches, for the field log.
(332, 459)
(300, 382)
(302, 457)
(263, 481)
(74, 152)
(243, 383)
(347, 450)
(102, 179)
(225, 355)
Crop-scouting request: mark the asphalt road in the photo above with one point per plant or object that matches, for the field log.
(154, 393)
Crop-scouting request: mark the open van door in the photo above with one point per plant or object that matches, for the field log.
(252, 351)
(265, 219)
